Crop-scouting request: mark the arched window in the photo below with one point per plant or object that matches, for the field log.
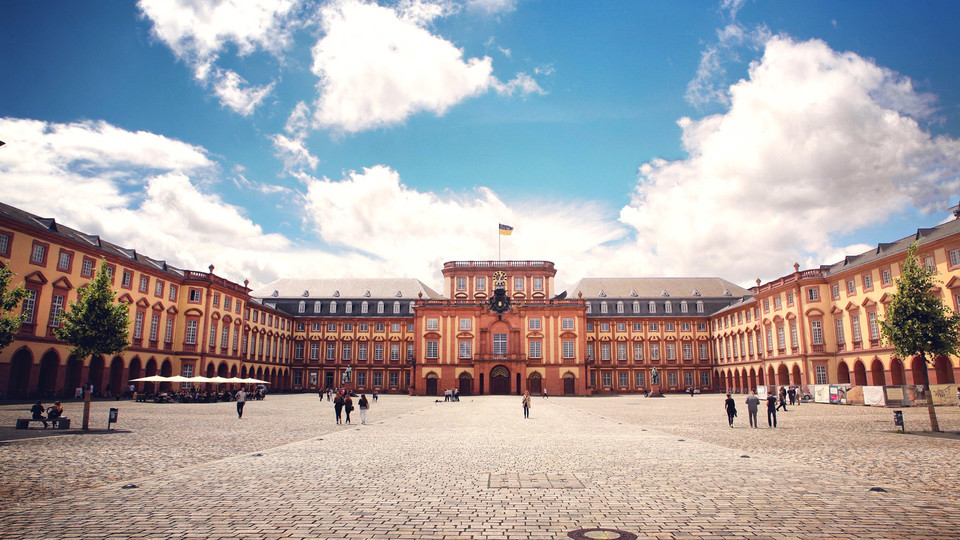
(619, 307)
(333, 306)
(380, 307)
(652, 306)
(349, 306)
(302, 308)
(364, 307)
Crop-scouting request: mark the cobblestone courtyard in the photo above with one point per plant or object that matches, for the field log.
(661, 468)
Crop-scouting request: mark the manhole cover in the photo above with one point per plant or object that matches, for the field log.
(604, 534)
(534, 481)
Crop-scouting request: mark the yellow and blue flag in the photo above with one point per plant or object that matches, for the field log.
(506, 230)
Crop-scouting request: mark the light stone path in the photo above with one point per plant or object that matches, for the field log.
(658, 468)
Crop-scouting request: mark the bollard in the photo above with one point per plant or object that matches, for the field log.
(898, 420)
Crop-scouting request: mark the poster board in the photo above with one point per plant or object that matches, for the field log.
(821, 393)
(874, 396)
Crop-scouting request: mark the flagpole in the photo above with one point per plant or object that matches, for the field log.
(498, 244)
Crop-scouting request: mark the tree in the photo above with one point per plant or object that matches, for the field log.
(917, 323)
(95, 324)
(9, 300)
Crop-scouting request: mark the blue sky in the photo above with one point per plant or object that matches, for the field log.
(295, 138)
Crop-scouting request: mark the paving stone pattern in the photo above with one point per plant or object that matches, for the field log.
(658, 468)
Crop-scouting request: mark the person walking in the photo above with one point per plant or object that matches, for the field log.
(753, 404)
(347, 405)
(364, 405)
(783, 399)
(338, 406)
(772, 411)
(241, 398)
(526, 404)
(731, 407)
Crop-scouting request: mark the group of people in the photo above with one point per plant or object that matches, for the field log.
(343, 403)
(52, 413)
(451, 394)
(774, 403)
(195, 396)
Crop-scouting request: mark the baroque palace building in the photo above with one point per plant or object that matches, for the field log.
(602, 335)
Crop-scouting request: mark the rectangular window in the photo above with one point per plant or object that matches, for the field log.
(518, 284)
(704, 378)
(225, 336)
(126, 280)
(298, 351)
(839, 325)
(86, 268)
(465, 349)
(331, 327)
(655, 351)
(154, 326)
(138, 326)
(568, 349)
(835, 291)
(793, 336)
(378, 327)
(481, 284)
(638, 352)
(535, 349)
(766, 305)
(855, 328)
(538, 283)
(144, 284)
(605, 352)
(378, 352)
(395, 327)
(929, 264)
(394, 378)
(191, 337)
(654, 327)
(701, 327)
(851, 287)
(346, 352)
(604, 327)
(56, 310)
(535, 324)
(5, 244)
(816, 331)
(362, 378)
(500, 344)
(377, 378)
(789, 298)
(777, 302)
(315, 351)
(432, 349)
(623, 378)
(688, 351)
(668, 327)
(64, 262)
(39, 255)
(705, 351)
(954, 255)
(671, 351)
(168, 333)
(394, 352)
(213, 335)
(566, 323)
(362, 327)
(688, 379)
(606, 378)
(872, 325)
(769, 339)
(465, 324)
(813, 294)
(639, 379)
(433, 324)
(885, 277)
(781, 338)
(331, 352)
(637, 327)
(672, 378)
(867, 282)
(461, 283)
(820, 374)
(173, 293)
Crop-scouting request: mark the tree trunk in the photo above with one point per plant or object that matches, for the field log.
(934, 425)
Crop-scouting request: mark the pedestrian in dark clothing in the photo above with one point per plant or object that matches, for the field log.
(731, 407)
(37, 411)
(753, 403)
(338, 406)
(241, 398)
(347, 405)
(772, 411)
(792, 394)
(783, 399)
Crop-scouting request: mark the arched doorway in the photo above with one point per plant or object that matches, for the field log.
(466, 384)
(843, 373)
(896, 372)
(20, 365)
(500, 380)
(535, 383)
(569, 384)
(166, 370)
(49, 367)
(95, 374)
(116, 376)
(783, 375)
(151, 370)
(797, 378)
(944, 370)
(134, 371)
(431, 384)
(859, 374)
(916, 370)
(876, 373)
(74, 375)
(753, 380)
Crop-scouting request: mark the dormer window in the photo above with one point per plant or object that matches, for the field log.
(696, 292)
(305, 294)
(726, 292)
(664, 293)
(336, 294)
(652, 306)
(602, 294)
(366, 294)
(399, 294)
(633, 294)
(275, 294)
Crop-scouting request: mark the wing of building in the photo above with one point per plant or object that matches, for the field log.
(496, 327)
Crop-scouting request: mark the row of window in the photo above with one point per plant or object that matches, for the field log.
(623, 379)
(651, 326)
(519, 283)
(362, 349)
(651, 307)
(377, 378)
(361, 327)
(348, 307)
(654, 349)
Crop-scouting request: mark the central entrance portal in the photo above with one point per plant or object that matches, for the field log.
(500, 381)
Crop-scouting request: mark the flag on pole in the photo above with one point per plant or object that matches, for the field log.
(506, 230)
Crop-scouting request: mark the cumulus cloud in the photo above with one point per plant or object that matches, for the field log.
(374, 212)
(815, 143)
(710, 85)
(198, 31)
(378, 65)
(293, 152)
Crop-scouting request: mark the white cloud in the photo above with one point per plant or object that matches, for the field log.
(522, 84)
(377, 66)
(815, 143)
(492, 7)
(198, 31)
(293, 152)
(234, 93)
(709, 85)
(414, 233)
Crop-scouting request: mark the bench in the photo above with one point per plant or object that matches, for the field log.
(56, 423)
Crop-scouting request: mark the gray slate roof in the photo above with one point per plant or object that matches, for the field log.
(289, 288)
(655, 287)
(899, 246)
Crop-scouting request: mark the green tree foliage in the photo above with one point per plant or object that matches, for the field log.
(10, 320)
(917, 323)
(95, 324)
